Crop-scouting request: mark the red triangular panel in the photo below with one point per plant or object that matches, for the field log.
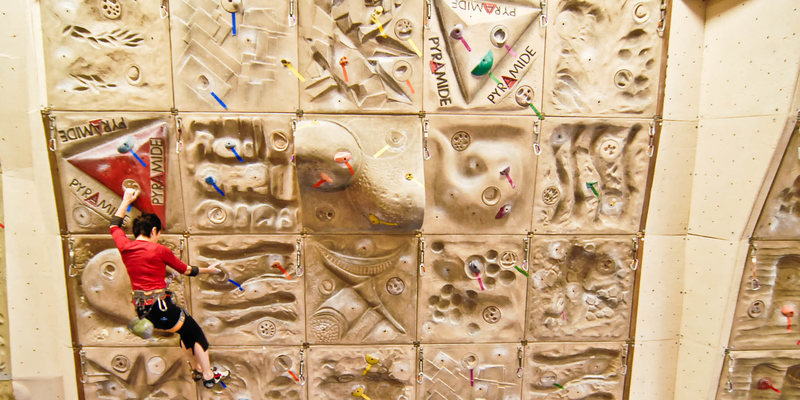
(105, 164)
(489, 7)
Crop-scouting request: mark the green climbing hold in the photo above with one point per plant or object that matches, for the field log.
(485, 65)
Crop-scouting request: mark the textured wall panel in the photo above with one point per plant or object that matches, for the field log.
(136, 373)
(101, 53)
(361, 289)
(379, 187)
(748, 375)
(581, 288)
(94, 159)
(337, 372)
(768, 298)
(591, 176)
(381, 72)
(257, 373)
(481, 174)
(242, 65)
(268, 310)
(255, 195)
(453, 305)
(497, 67)
(780, 217)
(460, 372)
(584, 371)
(604, 57)
(100, 292)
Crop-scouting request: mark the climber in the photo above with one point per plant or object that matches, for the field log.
(146, 260)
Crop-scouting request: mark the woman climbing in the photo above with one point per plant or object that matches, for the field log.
(146, 260)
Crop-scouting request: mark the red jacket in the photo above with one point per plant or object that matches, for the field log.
(146, 262)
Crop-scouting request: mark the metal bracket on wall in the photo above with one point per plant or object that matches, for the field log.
(537, 130)
(421, 254)
(179, 129)
(420, 363)
(662, 20)
(426, 155)
(50, 127)
(299, 262)
(73, 269)
(84, 375)
(651, 144)
(635, 250)
(728, 357)
(543, 15)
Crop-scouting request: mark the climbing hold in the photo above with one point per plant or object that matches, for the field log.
(484, 65)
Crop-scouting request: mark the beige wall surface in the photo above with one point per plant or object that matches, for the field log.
(41, 354)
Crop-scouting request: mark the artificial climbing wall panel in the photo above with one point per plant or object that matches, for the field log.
(236, 173)
(762, 357)
(603, 57)
(408, 199)
(780, 217)
(99, 155)
(99, 292)
(99, 55)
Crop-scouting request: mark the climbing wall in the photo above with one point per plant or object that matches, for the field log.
(762, 357)
(409, 199)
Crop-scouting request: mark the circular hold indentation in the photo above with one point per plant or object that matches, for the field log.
(460, 140)
(111, 9)
(325, 212)
(156, 365)
(491, 255)
(202, 82)
(437, 247)
(524, 95)
(550, 195)
(217, 215)
(327, 286)
(640, 13)
(491, 195)
(231, 6)
(506, 277)
(492, 269)
(470, 361)
(606, 265)
(266, 329)
(279, 141)
(491, 314)
(396, 139)
(130, 184)
(282, 363)
(327, 327)
(403, 28)
(344, 378)
(120, 363)
(82, 216)
(401, 70)
(133, 75)
(508, 259)
(623, 78)
(499, 35)
(756, 309)
(447, 290)
(108, 270)
(610, 149)
(548, 378)
(395, 286)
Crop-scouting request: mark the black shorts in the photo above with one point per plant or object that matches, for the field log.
(163, 320)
